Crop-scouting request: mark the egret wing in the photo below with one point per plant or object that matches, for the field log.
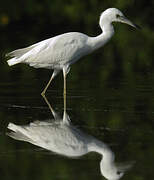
(58, 51)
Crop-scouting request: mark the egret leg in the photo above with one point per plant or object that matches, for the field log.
(43, 92)
(56, 116)
(55, 72)
(64, 75)
(49, 105)
(66, 118)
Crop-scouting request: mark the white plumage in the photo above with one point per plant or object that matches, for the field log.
(61, 51)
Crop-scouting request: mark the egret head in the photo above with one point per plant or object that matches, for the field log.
(112, 171)
(114, 15)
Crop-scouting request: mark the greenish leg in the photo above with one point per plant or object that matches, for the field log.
(55, 72)
(64, 74)
(43, 92)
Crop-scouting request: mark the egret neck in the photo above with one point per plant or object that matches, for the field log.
(103, 38)
(101, 148)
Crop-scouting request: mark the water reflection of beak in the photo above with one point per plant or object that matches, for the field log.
(123, 19)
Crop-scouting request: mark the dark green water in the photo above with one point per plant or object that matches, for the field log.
(117, 111)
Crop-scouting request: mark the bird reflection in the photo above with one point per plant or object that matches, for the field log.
(60, 136)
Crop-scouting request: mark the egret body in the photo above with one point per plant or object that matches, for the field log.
(59, 52)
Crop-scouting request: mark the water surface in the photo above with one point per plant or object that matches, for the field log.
(118, 112)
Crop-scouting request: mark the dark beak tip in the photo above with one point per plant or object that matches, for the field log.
(137, 27)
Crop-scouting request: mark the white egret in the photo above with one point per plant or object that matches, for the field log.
(60, 136)
(59, 52)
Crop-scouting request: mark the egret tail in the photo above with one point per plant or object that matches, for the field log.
(17, 133)
(13, 61)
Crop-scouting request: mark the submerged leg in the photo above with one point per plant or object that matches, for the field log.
(66, 118)
(55, 72)
(56, 117)
(49, 105)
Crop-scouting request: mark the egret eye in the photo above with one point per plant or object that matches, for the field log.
(118, 172)
(117, 15)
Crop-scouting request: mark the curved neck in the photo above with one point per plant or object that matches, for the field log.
(103, 38)
(103, 149)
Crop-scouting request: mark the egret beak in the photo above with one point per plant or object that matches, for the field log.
(123, 19)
